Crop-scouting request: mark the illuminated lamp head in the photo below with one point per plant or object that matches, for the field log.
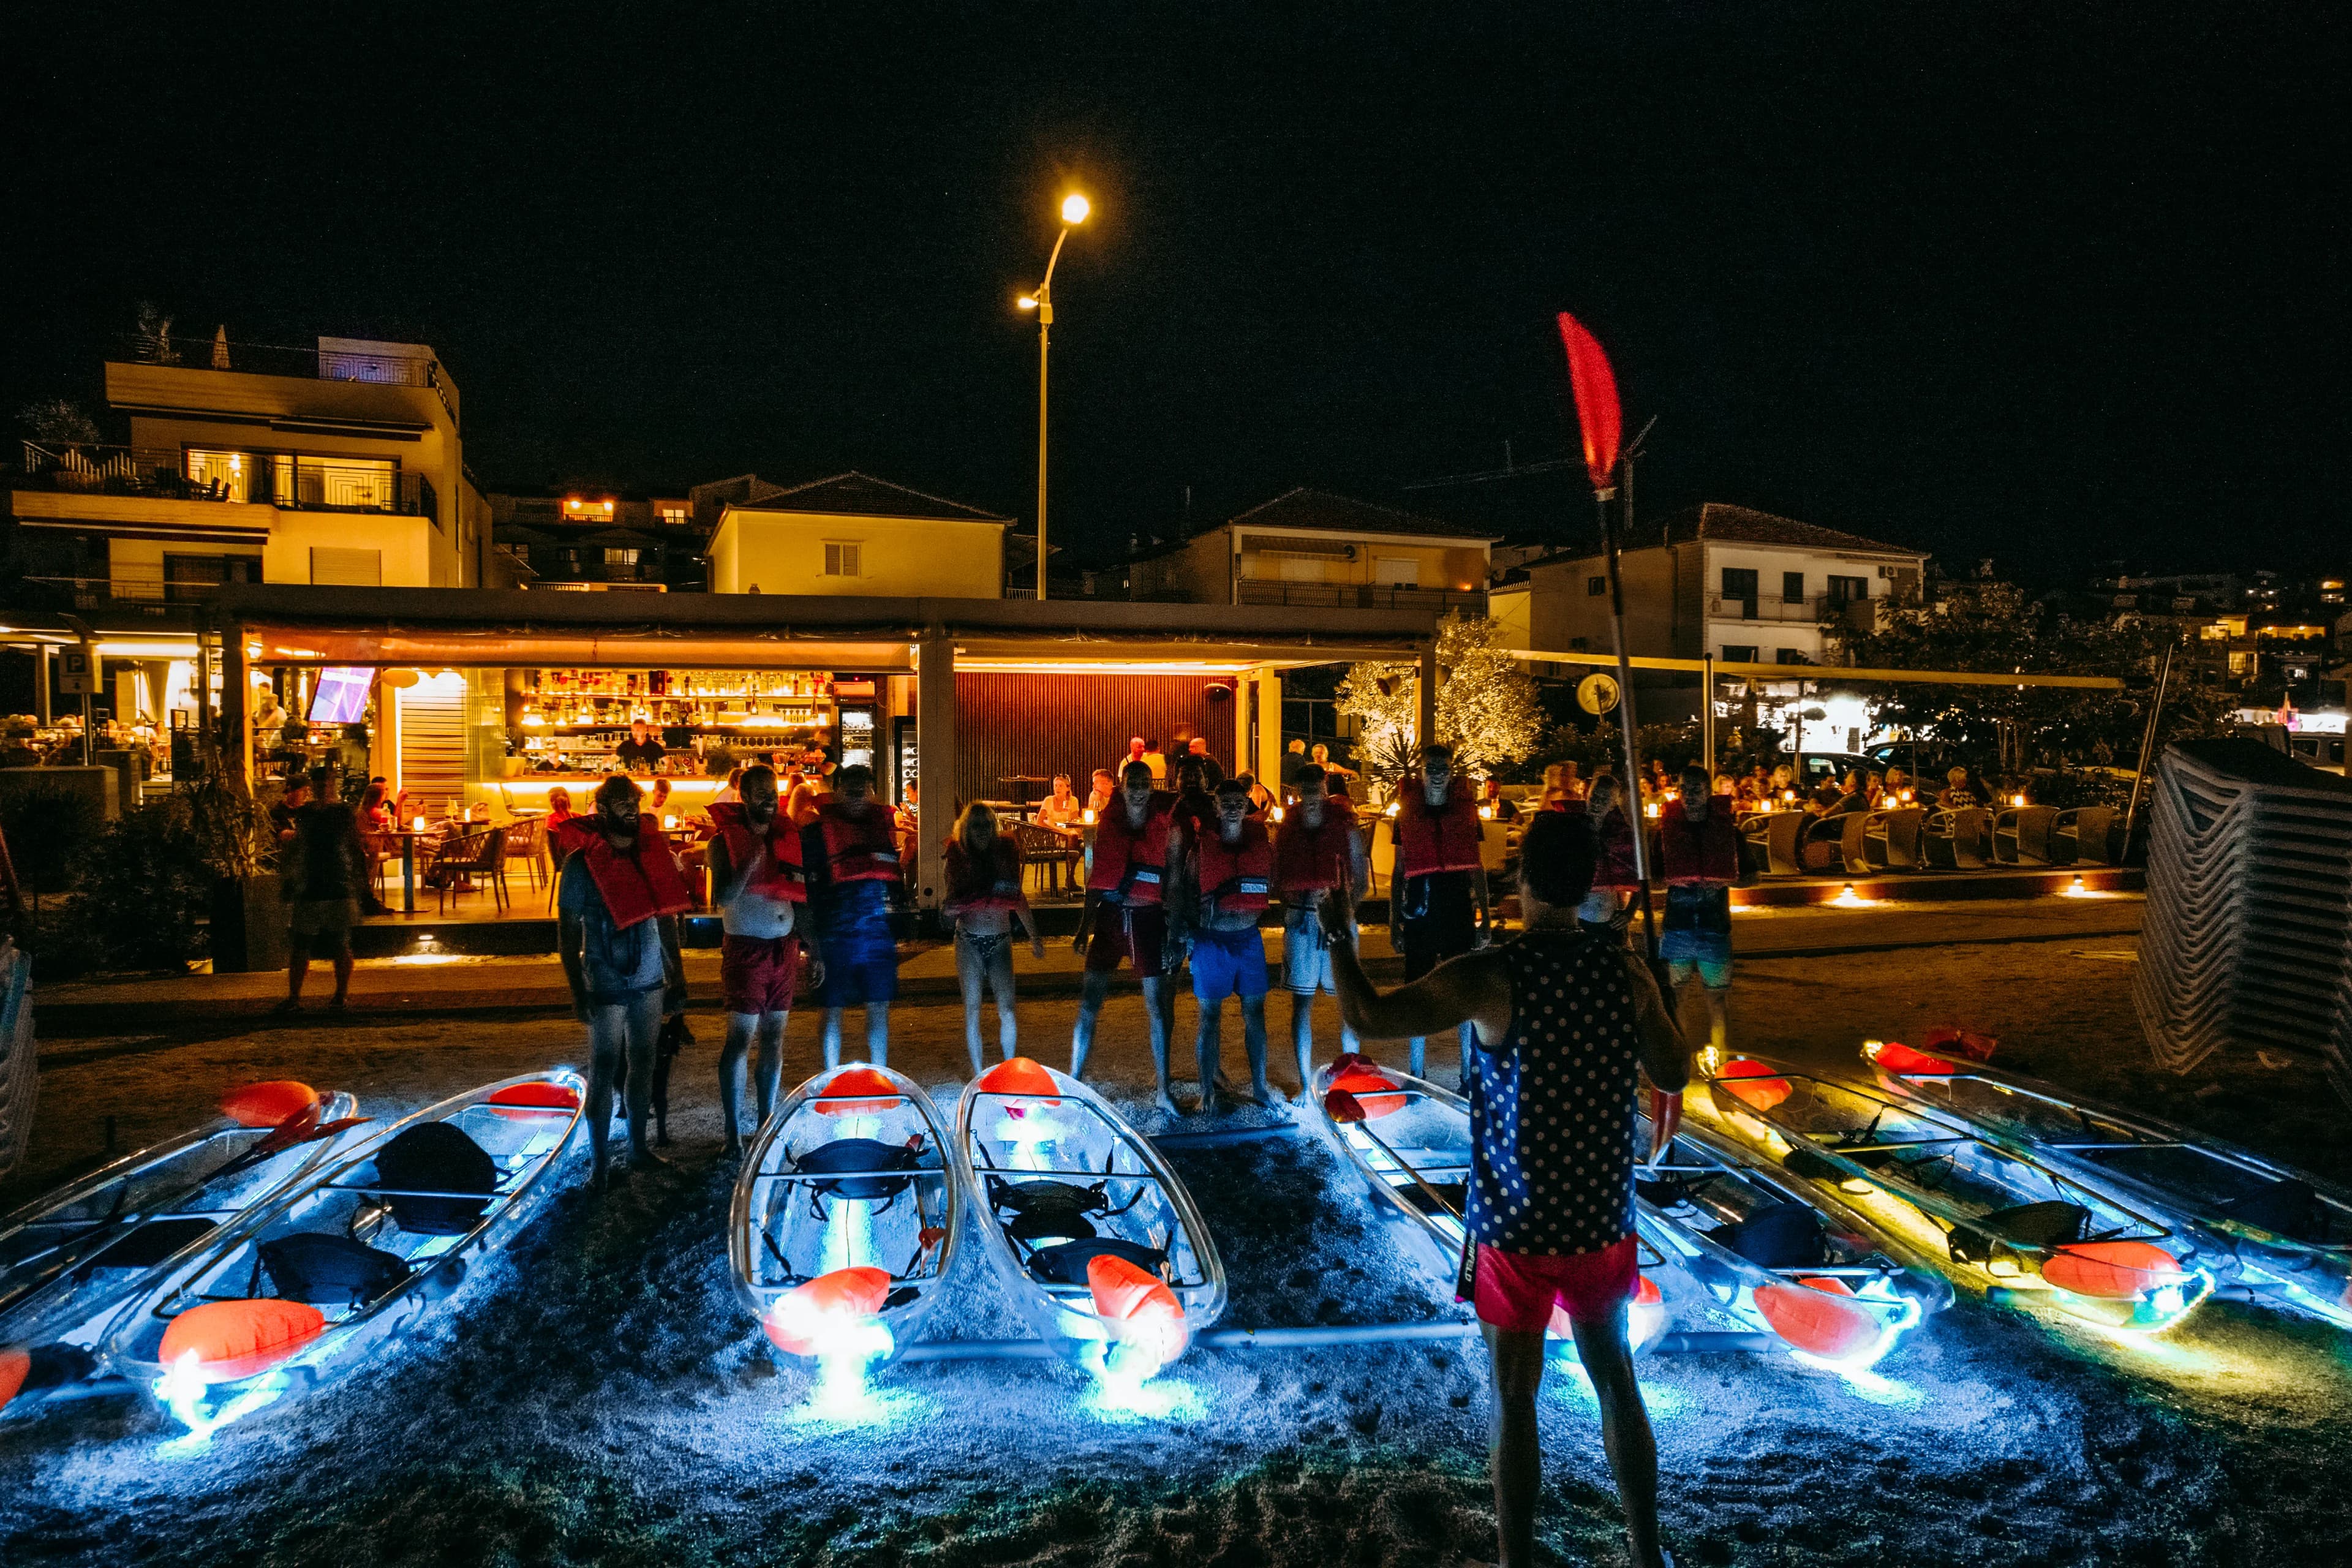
(222, 1342)
(1894, 1056)
(828, 1314)
(1820, 1316)
(518, 1101)
(1142, 1316)
(268, 1104)
(861, 1081)
(1753, 1084)
(1366, 1082)
(2112, 1270)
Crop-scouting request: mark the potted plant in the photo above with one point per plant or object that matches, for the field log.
(235, 845)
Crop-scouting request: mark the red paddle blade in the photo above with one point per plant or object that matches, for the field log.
(1596, 400)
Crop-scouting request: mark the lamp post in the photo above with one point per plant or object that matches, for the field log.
(1073, 212)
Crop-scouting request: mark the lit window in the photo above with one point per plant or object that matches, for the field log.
(841, 560)
(616, 557)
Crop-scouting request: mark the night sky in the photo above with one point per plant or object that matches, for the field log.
(1984, 280)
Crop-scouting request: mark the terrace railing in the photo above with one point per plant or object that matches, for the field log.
(161, 473)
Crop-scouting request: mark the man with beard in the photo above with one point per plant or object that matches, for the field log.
(758, 883)
(1126, 917)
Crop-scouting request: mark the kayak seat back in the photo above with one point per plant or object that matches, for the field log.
(435, 1158)
(864, 1165)
(1067, 1264)
(1783, 1236)
(330, 1270)
(1449, 1196)
(2030, 1227)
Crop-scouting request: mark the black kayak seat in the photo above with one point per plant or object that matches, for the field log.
(1048, 1202)
(330, 1270)
(2286, 1207)
(146, 1245)
(863, 1163)
(1450, 1196)
(437, 1157)
(1067, 1264)
(2033, 1227)
(1813, 1165)
(1783, 1235)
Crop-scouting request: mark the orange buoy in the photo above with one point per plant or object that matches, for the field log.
(15, 1365)
(2111, 1270)
(239, 1338)
(808, 1318)
(1894, 1056)
(1137, 1307)
(1753, 1083)
(1820, 1316)
(268, 1104)
(1019, 1075)
(857, 1081)
(1362, 1079)
(538, 1094)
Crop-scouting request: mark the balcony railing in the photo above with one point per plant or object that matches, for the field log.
(1359, 596)
(1811, 610)
(160, 474)
(142, 596)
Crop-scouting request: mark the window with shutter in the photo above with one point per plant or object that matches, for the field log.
(347, 568)
(841, 560)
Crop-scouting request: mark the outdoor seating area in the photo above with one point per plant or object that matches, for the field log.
(1916, 840)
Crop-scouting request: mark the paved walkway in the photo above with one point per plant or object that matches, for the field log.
(928, 971)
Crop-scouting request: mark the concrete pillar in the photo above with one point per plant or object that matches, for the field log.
(45, 677)
(935, 762)
(1266, 702)
(1425, 689)
(236, 700)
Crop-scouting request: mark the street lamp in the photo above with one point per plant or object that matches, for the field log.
(1073, 212)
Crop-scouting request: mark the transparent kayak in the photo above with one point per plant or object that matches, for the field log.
(847, 1215)
(1091, 1232)
(71, 1258)
(1942, 1194)
(2267, 1231)
(1719, 1235)
(358, 1252)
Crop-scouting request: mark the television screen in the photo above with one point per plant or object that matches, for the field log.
(341, 696)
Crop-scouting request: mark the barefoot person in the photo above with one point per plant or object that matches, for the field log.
(1700, 852)
(618, 880)
(1315, 850)
(1440, 908)
(757, 882)
(1231, 872)
(985, 901)
(1126, 917)
(323, 887)
(852, 851)
(1560, 1020)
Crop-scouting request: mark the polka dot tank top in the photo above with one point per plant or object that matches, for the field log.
(1551, 1109)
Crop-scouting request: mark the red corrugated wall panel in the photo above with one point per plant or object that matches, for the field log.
(1041, 725)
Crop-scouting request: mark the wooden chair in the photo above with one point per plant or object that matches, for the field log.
(2021, 836)
(382, 849)
(1894, 839)
(2087, 830)
(1773, 840)
(476, 855)
(1055, 856)
(1959, 840)
(526, 842)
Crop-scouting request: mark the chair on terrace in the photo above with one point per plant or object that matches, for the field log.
(2088, 830)
(2021, 836)
(1959, 840)
(1771, 837)
(1895, 839)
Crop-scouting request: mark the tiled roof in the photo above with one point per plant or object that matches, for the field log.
(864, 495)
(1321, 511)
(1744, 525)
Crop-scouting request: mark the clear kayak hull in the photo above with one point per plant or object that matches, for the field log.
(71, 1258)
(1940, 1193)
(1066, 1194)
(851, 1181)
(2267, 1231)
(338, 1267)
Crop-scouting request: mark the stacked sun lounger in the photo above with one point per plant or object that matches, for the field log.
(2247, 940)
(18, 1076)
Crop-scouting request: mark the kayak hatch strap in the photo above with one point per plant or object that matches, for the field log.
(782, 1261)
(1142, 1188)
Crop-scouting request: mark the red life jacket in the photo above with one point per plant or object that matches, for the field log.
(1613, 860)
(993, 883)
(859, 849)
(1705, 851)
(1307, 858)
(1238, 876)
(781, 877)
(1132, 862)
(1444, 839)
(637, 886)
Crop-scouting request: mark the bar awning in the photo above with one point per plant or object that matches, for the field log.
(440, 627)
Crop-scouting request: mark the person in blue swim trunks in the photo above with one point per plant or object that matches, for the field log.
(851, 854)
(1232, 874)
